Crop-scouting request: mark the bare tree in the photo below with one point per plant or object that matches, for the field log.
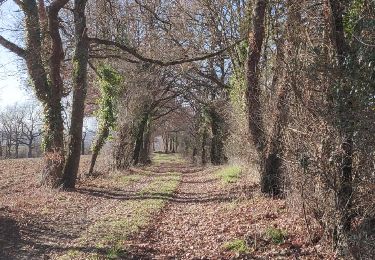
(31, 126)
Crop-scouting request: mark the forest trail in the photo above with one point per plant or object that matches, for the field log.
(197, 221)
(168, 210)
(217, 213)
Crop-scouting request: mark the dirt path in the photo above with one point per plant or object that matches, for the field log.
(170, 210)
(199, 219)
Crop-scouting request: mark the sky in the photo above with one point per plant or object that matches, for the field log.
(12, 76)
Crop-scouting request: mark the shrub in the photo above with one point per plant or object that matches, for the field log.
(237, 245)
(276, 235)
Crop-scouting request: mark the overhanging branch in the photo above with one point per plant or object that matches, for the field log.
(177, 61)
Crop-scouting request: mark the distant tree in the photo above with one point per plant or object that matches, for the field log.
(31, 126)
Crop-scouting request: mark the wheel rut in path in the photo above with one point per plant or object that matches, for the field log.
(196, 221)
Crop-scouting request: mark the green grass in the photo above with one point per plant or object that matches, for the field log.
(129, 178)
(229, 174)
(165, 185)
(237, 245)
(276, 235)
(112, 230)
(159, 158)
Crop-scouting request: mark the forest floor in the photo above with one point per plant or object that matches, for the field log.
(169, 210)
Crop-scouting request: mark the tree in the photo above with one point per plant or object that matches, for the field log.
(31, 126)
(47, 83)
(109, 84)
(80, 63)
(256, 124)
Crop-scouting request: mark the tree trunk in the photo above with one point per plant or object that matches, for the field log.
(30, 149)
(16, 150)
(47, 83)
(219, 135)
(124, 146)
(253, 94)
(274, 150)
(144, 156)
(171, 144)
(83, 144)
(174, 144)
(345, 109)
(194, 154)
(204, 144)
(140, 138)
(102, 136)
(53, 144)
(80, 61)
(166, 144)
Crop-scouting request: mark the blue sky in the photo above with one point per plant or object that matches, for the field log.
(12, 75)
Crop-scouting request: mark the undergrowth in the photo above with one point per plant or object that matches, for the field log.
(230, 174)
(276, 235)
(237, 246)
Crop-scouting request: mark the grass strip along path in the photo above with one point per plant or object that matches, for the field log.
(169, 210)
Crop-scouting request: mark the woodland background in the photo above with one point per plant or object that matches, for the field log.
(285, 85)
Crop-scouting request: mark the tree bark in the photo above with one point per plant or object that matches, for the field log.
(345, 109)
(140, 138)
(253, 94)
(30, 149)
(80, 62)
(144, 156)
(166, 144)
(204, 144)
(217, 142)
(102, 136)
(274, 149)
(48, 88)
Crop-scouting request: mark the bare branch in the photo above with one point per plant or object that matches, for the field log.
(177, 61)
(12, 47)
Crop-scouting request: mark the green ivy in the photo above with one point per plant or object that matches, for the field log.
(352, 16)
(237, 91)
(109, 84)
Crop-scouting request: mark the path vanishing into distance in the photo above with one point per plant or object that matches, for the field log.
(169, 210)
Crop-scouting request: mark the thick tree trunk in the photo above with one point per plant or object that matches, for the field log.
(47, 83)
(345, 109)
(219, 135)
(80, 61)
(124, 146)
(53, 144)
(257, 131)
(274, 149)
